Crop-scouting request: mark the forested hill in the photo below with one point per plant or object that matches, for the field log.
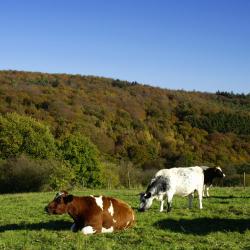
(148, 126)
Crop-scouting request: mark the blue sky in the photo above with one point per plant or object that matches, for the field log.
(201, 45)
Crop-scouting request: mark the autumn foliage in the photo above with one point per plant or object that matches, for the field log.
(147, 127)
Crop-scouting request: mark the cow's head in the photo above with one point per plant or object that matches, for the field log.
(218, 172)
(59, 204)
(146, 200)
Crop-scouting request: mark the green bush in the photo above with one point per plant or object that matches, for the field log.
(24, 135)
(61, 177)
(24, 174)
(233, 180)
(83, 156)
(110, 175)
(129, 175)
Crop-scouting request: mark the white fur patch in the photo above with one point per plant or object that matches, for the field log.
(99, 202)
(58, 195)
(107, 230)
(111, 209)
(114, 220)
(88, 230)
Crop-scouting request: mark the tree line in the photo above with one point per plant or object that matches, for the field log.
(94, 131)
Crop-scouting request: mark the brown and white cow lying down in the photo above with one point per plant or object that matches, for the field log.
(93, 214)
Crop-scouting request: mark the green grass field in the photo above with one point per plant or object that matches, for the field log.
(224, 223)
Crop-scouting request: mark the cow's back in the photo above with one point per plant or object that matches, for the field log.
(183, 181)
(189, 179)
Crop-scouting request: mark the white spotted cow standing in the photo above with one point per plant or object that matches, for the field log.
(173, 181)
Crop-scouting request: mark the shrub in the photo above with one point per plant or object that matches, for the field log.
(24, 135)
(110, 175)
(129, 175)
(24, 174)
(62, 176)
(83, 156)
(233, 180)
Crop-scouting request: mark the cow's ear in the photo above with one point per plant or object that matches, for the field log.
(148, 195)
(141, 194)
(68, 198)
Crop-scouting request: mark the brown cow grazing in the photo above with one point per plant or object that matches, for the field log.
(93, 214)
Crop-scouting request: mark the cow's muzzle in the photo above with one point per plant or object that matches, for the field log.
(141, 209)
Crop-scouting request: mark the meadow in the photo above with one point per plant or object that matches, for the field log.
(224, 223)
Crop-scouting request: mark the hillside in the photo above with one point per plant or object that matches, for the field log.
(148, 126)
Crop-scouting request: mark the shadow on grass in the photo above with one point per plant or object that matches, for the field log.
(50, 225)
(203, 226)
(230, 197)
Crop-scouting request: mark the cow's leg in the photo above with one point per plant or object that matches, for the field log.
(169, 201)
(161, 199)
(93, 225)
(110, 229)
(74, 228)
(204, 191)
(162, 206)
(207, 189)
(190, 200)
(200, 190)
(89, 230)
(78, 225)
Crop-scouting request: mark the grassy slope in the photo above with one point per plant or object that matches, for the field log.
(224, 223)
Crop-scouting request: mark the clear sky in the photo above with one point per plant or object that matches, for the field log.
(199, 45)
